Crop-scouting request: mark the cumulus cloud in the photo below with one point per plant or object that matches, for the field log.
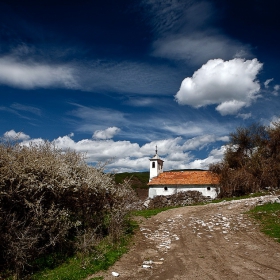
(230, 84)
(199, 142)
(125, 156)
(130, 164)
(216, 155)
(164, 146)
(108, 133)
(20, 136)
(230, 107)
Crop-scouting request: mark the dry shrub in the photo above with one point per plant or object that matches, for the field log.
(177, 199)
(49, 197)
(251, 161)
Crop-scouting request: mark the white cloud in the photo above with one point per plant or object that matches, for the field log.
(177, 157)
(215, 156)
(127, 156)
(130, 164)
(195, 128)
(108, 133)
(141, 102)
(30, 109)
(188, 128)
(266, 83)
(178, 25)
(274, 120)
(198, 48)
(276, 89)
(199, 142)
(101, 116)
(231, 84)
(230, 107)
(99, 150)
(245, 116)
(30, 75)
(30, 70)
(131, 77)
(164, 147)
(20, 136)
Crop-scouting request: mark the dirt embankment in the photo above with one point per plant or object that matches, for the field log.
(214, 241)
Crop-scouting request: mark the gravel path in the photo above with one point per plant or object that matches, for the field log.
(214, 241)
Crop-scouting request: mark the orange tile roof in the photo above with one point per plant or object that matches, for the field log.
(185, 178)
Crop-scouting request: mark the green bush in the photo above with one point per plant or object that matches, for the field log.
(52, 202)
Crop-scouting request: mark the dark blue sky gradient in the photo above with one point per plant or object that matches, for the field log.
(101, 77)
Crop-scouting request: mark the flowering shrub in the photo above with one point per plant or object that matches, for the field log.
(49, 198)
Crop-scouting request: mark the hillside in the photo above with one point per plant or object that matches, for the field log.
(139, 181)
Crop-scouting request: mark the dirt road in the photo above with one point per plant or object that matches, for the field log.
(215, 241)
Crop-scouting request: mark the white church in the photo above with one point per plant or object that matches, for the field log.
(171, 182)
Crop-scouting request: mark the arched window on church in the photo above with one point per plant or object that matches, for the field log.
(153, 164)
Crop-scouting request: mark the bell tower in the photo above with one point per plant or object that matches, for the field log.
(156, 166)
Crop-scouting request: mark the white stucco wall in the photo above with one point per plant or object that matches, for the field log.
(160, 190)
(155, 171)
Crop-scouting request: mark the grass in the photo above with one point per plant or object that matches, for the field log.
(77, 267)
(148, 213)
(106, 255)
(269, 217)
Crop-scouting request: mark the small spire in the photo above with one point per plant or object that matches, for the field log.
(156, 150)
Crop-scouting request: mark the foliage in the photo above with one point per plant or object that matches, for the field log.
(251, 162)
(269, 217)
(53, 204)
(77, 268)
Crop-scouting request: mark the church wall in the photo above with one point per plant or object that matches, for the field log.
(206, 190)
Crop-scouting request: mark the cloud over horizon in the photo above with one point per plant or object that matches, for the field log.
(123, 156)
(230, 84)
(18, 136)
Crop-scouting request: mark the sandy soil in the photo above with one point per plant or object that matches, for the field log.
(214, 241)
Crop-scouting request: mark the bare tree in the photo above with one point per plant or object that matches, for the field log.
(251, 161)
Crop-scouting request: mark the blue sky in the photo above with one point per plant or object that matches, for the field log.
(113, 79)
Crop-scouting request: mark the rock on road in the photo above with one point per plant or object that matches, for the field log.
(214, 241)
